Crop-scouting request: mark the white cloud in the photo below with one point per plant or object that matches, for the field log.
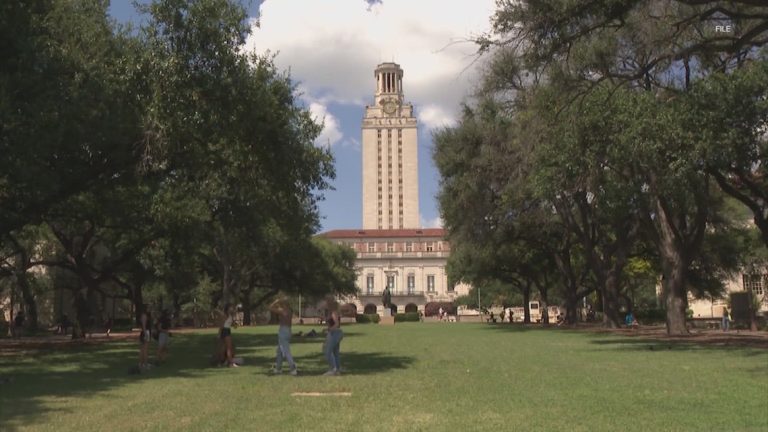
(332, 48)
(432, 223)
(435, 116)
(331, 133)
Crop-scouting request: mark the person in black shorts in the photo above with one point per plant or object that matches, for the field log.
(225, 334)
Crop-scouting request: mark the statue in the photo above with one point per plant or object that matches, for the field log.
(386, 298)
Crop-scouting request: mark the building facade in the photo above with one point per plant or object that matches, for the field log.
(410, 262)
(392, 250)
(754, 282)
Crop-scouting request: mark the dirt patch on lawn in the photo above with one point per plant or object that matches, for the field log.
(50, 342)
(44, 343)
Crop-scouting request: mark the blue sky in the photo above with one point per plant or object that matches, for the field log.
(331, 49)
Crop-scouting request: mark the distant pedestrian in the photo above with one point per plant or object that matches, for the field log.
(163, 335)
(440, 313)
(333, 338)
(108, 325)
(144, 337)
(502, 315)
(726, 319)
(285, 315)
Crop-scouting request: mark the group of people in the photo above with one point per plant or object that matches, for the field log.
(225, 349)
(331, 347)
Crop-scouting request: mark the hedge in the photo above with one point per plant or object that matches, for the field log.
(407, 317)
(367, 318)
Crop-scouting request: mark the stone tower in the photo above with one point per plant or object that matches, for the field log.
(390, 165)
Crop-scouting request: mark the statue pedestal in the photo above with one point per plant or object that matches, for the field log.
(387, 320)
(386, 312)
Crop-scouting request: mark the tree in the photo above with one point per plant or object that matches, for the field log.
(646, 67)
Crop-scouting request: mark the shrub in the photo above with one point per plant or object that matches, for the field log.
(650, 315)
(367, 318)
(407, 317)
(348, 310)
(433, 308)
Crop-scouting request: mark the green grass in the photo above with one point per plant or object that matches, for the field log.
(410, 377)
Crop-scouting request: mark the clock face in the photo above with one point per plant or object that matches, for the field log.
(390, 107)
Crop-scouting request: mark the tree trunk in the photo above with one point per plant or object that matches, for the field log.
(176, 307)
(675, 296)
(138, 304)
(571, 304)
(245, 299)
(81, 314)
(526, 303)
(610, 290)
(30, 305)
(544, 301)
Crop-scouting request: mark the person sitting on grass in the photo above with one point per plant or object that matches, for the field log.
(630, 321)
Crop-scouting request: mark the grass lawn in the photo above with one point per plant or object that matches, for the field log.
(411, 377)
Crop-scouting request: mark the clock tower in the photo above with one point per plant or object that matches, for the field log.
(390, 165)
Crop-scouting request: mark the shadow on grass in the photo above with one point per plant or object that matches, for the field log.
(31, 379)
(654, 338)
(352, 363)
(746, 346)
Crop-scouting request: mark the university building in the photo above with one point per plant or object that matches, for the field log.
(392, 250)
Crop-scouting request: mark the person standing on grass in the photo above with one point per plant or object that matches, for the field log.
(225, 334)
(333, 338)
(144, 336)
(726, 319)
(282, 309)
(163, 335)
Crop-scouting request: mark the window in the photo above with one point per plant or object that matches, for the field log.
(411, 283)
(391, 282)
(369, 284)
(409, 246)
(371, 247)
(430, 283)
(430, 246)
(451, 288)
(390, 246)
(754, 283)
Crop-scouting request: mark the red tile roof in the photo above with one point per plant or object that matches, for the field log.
(380, 233)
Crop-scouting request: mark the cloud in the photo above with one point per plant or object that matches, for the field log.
(331, 133)
(432, 223)
(332, 48)
(434, 116)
